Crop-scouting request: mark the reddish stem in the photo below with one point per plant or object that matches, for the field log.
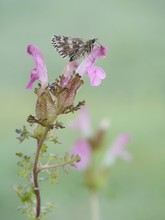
(35, 173)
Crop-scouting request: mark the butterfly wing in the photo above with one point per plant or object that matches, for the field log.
(68, 47)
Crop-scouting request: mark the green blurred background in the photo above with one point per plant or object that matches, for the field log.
(132, 96)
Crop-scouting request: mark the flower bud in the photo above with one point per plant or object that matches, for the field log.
(65, 99)
(45, 106)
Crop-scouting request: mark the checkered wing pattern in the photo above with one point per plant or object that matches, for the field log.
(73, 48)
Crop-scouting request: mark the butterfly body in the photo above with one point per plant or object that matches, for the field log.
(73, 48)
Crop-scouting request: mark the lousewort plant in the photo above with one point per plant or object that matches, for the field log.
(53, 100)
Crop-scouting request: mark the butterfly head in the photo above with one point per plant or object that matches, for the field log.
(94, 40)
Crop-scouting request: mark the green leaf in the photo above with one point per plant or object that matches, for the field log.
(65, 168)
(59, 125)
(54, 178)
(20, 163)
(47, 208)
(55, 140)
(66, 157)
(19, 154)
(44, 148)
(22, 173)
(23, 134)
(25, 193)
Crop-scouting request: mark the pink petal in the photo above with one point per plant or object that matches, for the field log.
(82, 149)
(96, 74)
(119, 144)
(33, 78)
(117, 150)
(68, 70)
(40, 70)
(82, 123)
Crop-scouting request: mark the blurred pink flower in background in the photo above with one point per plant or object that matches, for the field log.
(82, 149)
(40, 71)
(82, 122)
(117, 150)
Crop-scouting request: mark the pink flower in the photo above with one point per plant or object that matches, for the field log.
(40, 70)
(67, 96)
(82, 149)
(96, 74)
(68, 70)
(82, 123)
(117, 150)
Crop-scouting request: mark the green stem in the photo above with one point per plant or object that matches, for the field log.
(95, 209)
(35, 173)
(53, 166)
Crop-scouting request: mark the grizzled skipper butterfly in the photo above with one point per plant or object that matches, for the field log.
(73, 48)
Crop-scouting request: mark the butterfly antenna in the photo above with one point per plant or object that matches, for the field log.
(98, 43)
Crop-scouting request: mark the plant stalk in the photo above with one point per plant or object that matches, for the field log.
(95, 209)
(35, 173)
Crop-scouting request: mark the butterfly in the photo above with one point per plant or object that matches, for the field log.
(73, 48)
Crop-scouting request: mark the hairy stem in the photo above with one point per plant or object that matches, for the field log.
(35, 172)
(54, 166)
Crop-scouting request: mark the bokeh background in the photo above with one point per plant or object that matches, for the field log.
(132, 96)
